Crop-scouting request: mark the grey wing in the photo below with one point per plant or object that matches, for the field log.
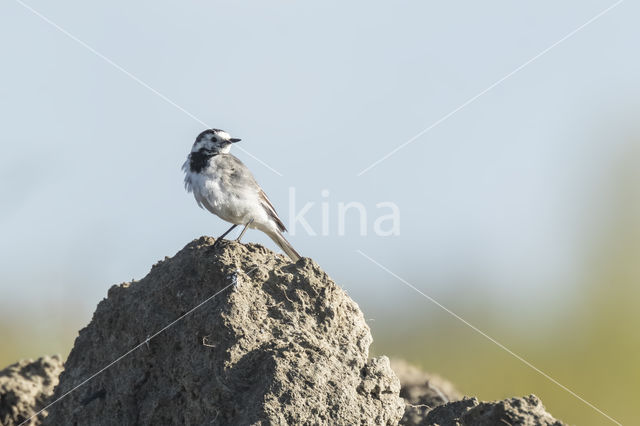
(271, 210)
(240, 177)
(235, 174)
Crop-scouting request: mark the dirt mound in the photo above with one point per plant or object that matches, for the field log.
(269, 342)
(238, 335)
(24, 388)
(421, 391)
(527, 411)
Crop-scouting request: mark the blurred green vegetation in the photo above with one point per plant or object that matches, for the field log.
(593, 348)
(31, 333)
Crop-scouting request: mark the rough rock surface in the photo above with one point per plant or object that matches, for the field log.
(526, 411)
(271, 343)
(421, 391)
(24, 388)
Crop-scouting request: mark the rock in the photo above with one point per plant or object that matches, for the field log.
(421, 391)
(24, 388)
(449, 413)
(238, 335)
(431, 400)
(526, 411)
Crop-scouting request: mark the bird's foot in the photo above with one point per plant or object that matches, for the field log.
(221, 237)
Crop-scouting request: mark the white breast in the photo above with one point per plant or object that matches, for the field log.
(234, 204)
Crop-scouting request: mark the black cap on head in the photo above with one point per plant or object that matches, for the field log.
(203, 134)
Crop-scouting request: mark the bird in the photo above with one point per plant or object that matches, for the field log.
(224, 186)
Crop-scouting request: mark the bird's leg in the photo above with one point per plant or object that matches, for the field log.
(215, 244)
(244, 230)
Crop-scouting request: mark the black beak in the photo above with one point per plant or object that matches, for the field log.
(234, 140)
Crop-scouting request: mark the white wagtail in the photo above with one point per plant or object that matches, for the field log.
(223, 185)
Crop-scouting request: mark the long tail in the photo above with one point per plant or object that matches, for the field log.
(279, 239)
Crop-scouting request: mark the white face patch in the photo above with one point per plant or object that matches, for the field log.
(220, 142)
(224, 135)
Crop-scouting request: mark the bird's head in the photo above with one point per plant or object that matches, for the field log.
(213, 141)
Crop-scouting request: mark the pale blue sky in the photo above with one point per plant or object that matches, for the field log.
(497, 200)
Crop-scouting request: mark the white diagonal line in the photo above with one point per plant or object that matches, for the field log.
(498, 82)
(132, 76)
(476, 329)
(120, 358)
(258, 160)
